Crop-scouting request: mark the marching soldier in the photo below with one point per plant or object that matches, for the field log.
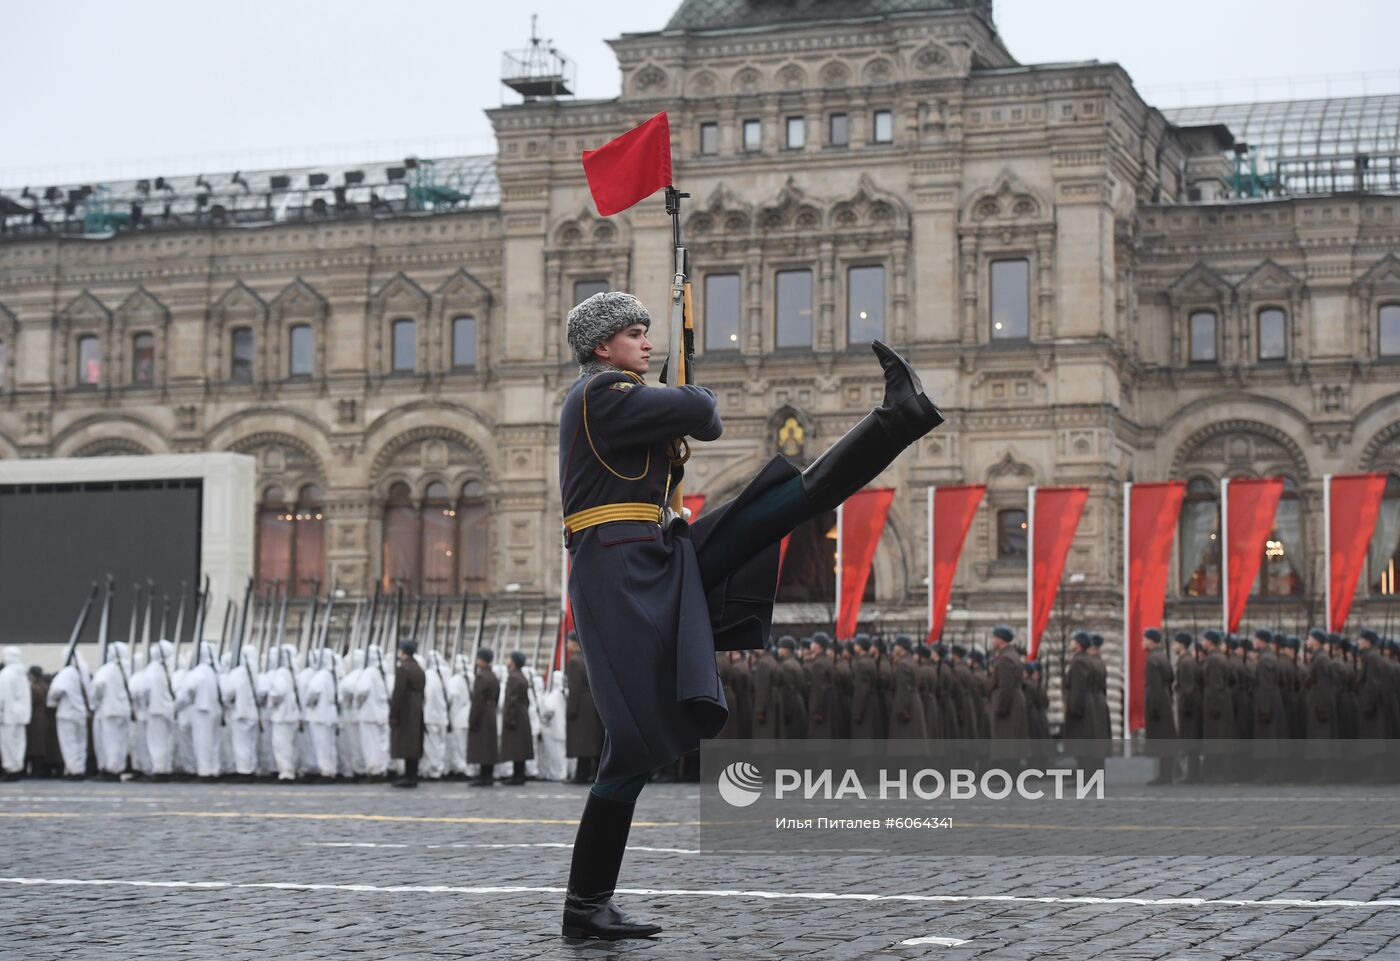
(1102, 721)
(842, 685)
(742, 682)
(865, 691)
(928, 693)
(906, 709)
(1157, 706)
(1007, 718)
(947, 694)
(725, 666)
(1037, 703)
(1188, 703)
(981, 684)
(406, 715)
(584, 731)
(884, 670)
(1081, 724)
(1270, 716)
(821, 707)
(1217, 703)
(482, 747)
(794, 691)
(767, 678)
(517, 741)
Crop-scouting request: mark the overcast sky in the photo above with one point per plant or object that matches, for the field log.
(94, 89)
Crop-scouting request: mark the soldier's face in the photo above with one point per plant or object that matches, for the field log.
(628, 349)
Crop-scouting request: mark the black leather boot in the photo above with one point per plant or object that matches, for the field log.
(589, 911)
(872, 445)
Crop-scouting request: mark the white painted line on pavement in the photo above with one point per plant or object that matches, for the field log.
(940, 942)
(713, 893)
(565, 845)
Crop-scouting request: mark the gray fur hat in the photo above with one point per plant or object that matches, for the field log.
(599, 317)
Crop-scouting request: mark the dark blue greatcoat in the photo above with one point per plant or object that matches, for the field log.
(647, 629)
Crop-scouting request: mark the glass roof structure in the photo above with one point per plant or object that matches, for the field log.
(250, 199)
(1301, 147)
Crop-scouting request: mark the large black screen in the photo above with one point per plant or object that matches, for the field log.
(56, 539)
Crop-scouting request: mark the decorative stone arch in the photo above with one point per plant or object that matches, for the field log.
(298, 303)
(282, 459)
(1382, 451)
(791, 76)
(650, 81)
(303, 439)
(1380, 285)
(399, 299)
(933, 59)
(140, 313)
(9, 347)
(1006, 479)
(788, 420)
(84, 315)
(791, 211)
(871, 228)
(702, 83)
(1202, 288)
(1243, 445)
(878, 71)
(722, 216)
(239, 306)
(1006, 219)
(747, 81)
(112, 429)
(459, 295)
(430, 448)
(1269, 285)
(111, 447)
(869, 207)
(834, 75)
(583, 247)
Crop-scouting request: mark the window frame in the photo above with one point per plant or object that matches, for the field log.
(1381, 308)
(744, 126)
(799, 123)
(1008, 257)
(452, 342)
(831, 140)
(1002, 555)
(578, 282)
(292, 372)
(1191, 358)
(884, 302)
(875, 115)
(80, 378)
(395, 324)
(778, 345)
(706, 304)
(135, 380)
(1259, 334)
(708, 128)
(233, 333)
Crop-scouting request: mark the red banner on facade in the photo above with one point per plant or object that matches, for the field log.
(1056, 512)
(1250, 505)
(630, 168)
(695, 503)
(1153, 510)
(948, 524)
(862, 522)
(1354, 503)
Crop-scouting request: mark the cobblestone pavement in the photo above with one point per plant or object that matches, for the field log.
(132, 870)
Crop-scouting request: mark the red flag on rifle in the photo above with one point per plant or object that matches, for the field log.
(631, 168)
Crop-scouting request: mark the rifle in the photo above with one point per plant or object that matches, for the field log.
(180, 627)
(369, 621)
(102, 624)
(326, 620)
(431, 627)
(437, 664)
(417, 615)
(135, 621)
(224, 631)
(164, 617)
(252, 687)
(241, 633)
(539, 636)
(79, 625)
(131, 649)
(461, 626)
(481, 622)
(680, 347)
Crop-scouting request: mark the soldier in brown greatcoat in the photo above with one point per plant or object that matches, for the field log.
(794, 691)
(842, 688)
(1270, 715)
(1008, 722)
(821, 698)
(741, 682)
(865, 691)
(1078, 696)
(517, 740)
(767, 679)
(1188, 703)
(906, 709)
(1217, 705)
(406, 715)
(481, 720)
(884, 670)
(928, 693)
(583, 728)
(1160, 725)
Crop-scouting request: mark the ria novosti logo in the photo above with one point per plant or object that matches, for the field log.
(740, 784)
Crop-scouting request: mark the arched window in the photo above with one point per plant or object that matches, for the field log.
(439, 526)
(275, 526)
(400, 539)
(1279, 574)
(241, 355)
(300, 353)
(309, 540)
(143, 359)
(1203, 337)
(89, 360)
(1389, 318)
(1011, 535)
(404, 346)
(473, 539)
(291, 540)
(1385, 542)
(1273, 334)
(808, 574)
(1200, 539)
(463, 343)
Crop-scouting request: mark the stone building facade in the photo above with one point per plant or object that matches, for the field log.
(1027, 234)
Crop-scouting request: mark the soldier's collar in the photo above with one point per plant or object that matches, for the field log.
(594, 367)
